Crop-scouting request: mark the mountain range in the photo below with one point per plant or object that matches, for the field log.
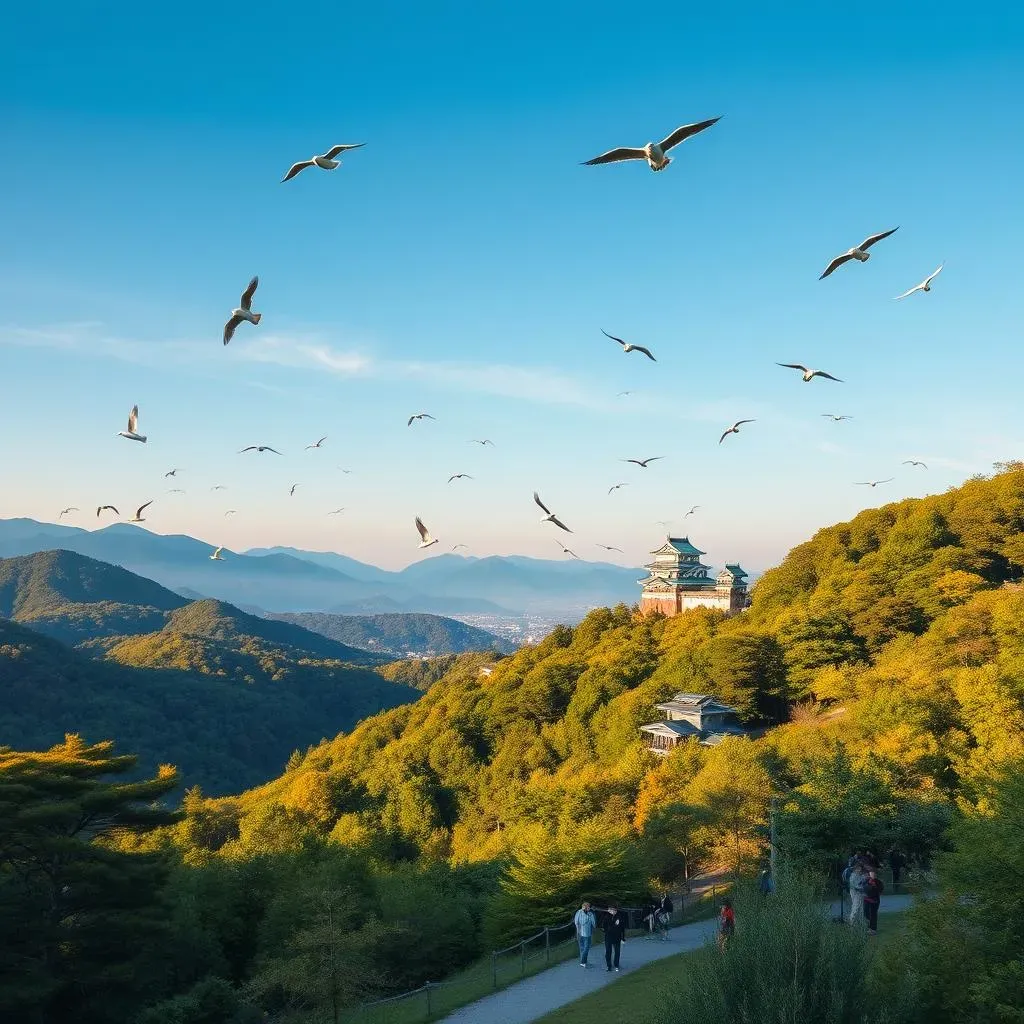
(293, 580)
(225, 694)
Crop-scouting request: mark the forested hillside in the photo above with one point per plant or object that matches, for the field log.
(400, 633)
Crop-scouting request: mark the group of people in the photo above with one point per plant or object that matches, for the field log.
(860, 877)
(614, 921)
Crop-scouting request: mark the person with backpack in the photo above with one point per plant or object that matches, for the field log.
(726, 924)
(873, 889)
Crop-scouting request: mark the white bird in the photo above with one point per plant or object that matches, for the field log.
(808, 373)
(103, 508)
(217, 556)
(455, 547)
(173, 472)
(259, 448)
(138, 517)
(642, 463)
(219, 487)
(874, 483)
(317, 444)
(913, 462)
(291, 493)
(565, 550)
(176, 490)
(325, 162)
(243, 312)
(231, 512)
(692, 510)
(858, 252)
(549, 516)
(925, 285)
(337, 511)
(734, 429)
(834, 418)
(482, 443)
(615, 487)
(68, 511)
(623, 394)
(420, 416)
(132, 432)
(608, 547)
(342, 468)
(425, 539)
(652, 152)
(627, 347)
(459, 476)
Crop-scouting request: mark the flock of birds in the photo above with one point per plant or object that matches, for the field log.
(657, 158)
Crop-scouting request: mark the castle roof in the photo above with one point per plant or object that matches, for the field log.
(682, 545)
(691, 702)
(735, 570)
(682, 730)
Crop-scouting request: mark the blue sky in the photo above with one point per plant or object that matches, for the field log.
(464, 264)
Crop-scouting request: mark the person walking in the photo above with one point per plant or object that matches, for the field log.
(614, 924)
(873, 889)
(665, 911)
(726, 924)
(858, 880)
(897, 862)
(585, 922)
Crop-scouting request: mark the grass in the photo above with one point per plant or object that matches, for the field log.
(620, 1000)
(484, 977)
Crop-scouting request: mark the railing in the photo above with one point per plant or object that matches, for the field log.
(550, 945)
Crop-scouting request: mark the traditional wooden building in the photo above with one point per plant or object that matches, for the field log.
(678, 581)
(691, 716)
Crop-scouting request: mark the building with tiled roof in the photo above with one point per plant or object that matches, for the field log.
(691, 716)
(678, 580)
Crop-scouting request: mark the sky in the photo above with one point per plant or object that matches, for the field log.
(464, 264)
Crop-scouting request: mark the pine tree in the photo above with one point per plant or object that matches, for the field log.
(75, 913)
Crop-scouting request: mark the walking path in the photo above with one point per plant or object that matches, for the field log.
(529, 999)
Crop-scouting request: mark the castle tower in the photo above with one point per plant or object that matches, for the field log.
(678, 581)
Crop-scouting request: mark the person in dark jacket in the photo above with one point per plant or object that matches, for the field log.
(897, 862)
(614, 924)
(872, 898)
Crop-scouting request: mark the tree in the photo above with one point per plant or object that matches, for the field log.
(77, 916)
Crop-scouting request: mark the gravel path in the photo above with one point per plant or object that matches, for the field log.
(529, 999)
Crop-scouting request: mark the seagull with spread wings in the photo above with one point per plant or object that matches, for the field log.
(259, 449)
(549, 516)
(172, 472)
(106, 508)
(692, 510)
(874, 483)
(835, 418)
(565, 550)
(653, 152)
(858, 252)
(243, 311)
(317, 444)
(325, 161)
(217, 556)
(132, 433)
(914, 462)
(291, 493)
(420, 416)
(425, 539)
(455, 547)
(482, 442)
(615, 487)
(809, 374)
(68, 511)
(459, 476)
(925, 285)
(734, 429)
(219, 487)
(608, 547)
(337, 511)
(628, 347)
(138, 517)
(643, 463)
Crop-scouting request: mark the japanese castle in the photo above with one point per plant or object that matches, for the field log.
(679, 581)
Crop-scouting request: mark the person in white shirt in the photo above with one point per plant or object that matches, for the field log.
(585, 923)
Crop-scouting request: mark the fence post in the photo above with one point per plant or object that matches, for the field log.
(428, 999)
(494, 969)
(547, 945)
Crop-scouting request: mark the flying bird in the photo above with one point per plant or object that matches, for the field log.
(455, 547)
(734, 429)
(483, 442)
(325, 162)
(549, 516)
(652, 152)
(608, 547)
(176, 490)
(925, 285)
(132, 432)
(420, 416)
(642, 463)
(615, 487)
(459, 476)
(342, 468)
(874, 483)
(104, 508)
(692, 510)
(231, 512)
(808, 373)
(627, 347)
(317, 444)
(623, 394)
(834, 418)
(138, 517)
(858, 252)
(219, 487)
(243, 312)
(291, 493)
(913, 462)
(425, 539)
(337, 511)
(67, 511)
(172, 472)
(259, 448)
(565, 550)
(217, 556)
